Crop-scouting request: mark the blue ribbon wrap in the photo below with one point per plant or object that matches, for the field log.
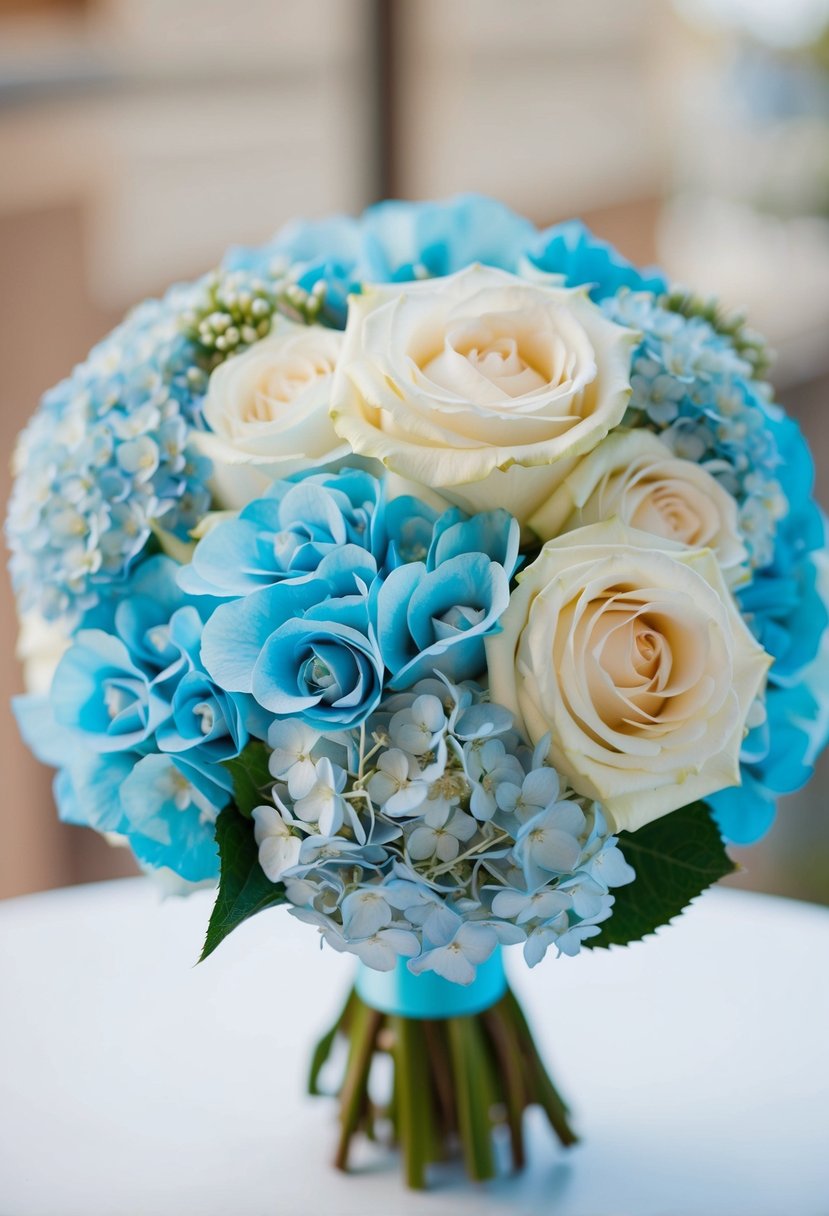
(402, 994)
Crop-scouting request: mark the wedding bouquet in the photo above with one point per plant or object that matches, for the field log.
(455, 584)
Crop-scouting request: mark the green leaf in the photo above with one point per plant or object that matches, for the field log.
(675, 859)
(251, 777)
(244, 888)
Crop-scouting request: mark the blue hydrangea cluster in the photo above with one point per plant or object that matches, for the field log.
(434, 835)
(328, 587)
(786, 606)
(691, 387)
(397, 241)
(138, 730)
(583, 260)
(104, 462)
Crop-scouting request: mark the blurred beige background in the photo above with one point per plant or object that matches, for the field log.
(138, 138)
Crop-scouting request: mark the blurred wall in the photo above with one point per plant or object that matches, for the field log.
(555, 106)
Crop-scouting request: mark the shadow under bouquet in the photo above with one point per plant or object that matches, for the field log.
(456, 585)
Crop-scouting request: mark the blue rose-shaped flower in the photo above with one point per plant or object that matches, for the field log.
(583, 259)
(115, 683)
(170, 808)
(163, 805)
(777, 758)
(285, 535)
(399, 241)
(783, 603)
(141, 686)
(137, 727)
(99, 691)
(788, 611)
(434, 615)
(304, 649)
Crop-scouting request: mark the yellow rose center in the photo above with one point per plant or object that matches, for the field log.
(497, 358)
(678, 512)
(643, 661)
(631, 664)
(281, 384)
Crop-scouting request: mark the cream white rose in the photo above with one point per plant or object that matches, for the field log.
(481, 386)
(633, 656)
(636, 478)
(267, 410)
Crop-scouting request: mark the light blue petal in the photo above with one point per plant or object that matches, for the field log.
(229, 559)
(571, 250)
(88, 791)
(234, 636)
(50, 742)
(162, 831)
(392, 610)
(494, 533)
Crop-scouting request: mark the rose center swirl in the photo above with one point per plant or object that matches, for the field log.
(489, 354)
(280, 386)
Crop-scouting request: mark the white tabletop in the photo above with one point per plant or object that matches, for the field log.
(133, 1084)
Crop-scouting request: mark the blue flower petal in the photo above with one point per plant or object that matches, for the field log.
(571, 250)
(235, 634)
(170, 810)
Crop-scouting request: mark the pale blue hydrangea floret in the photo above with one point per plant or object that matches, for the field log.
(139, 730)
(104, 461)
(320, 600)
(434, 834)
(692, 388)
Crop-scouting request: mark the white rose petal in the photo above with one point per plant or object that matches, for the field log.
(267, 410)
(632, 655)
(480, 385)
(636, 478)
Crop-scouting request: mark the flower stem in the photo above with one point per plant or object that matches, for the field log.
(415, 1116)
(364, 1029)
(508, 1055)
(446, 866)
(474, 1096)
(541, 1087)
(454, 1081)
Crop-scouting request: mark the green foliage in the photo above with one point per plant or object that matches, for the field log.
(732, 325)
(243, 887)
(251, 777)
(675, 859)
